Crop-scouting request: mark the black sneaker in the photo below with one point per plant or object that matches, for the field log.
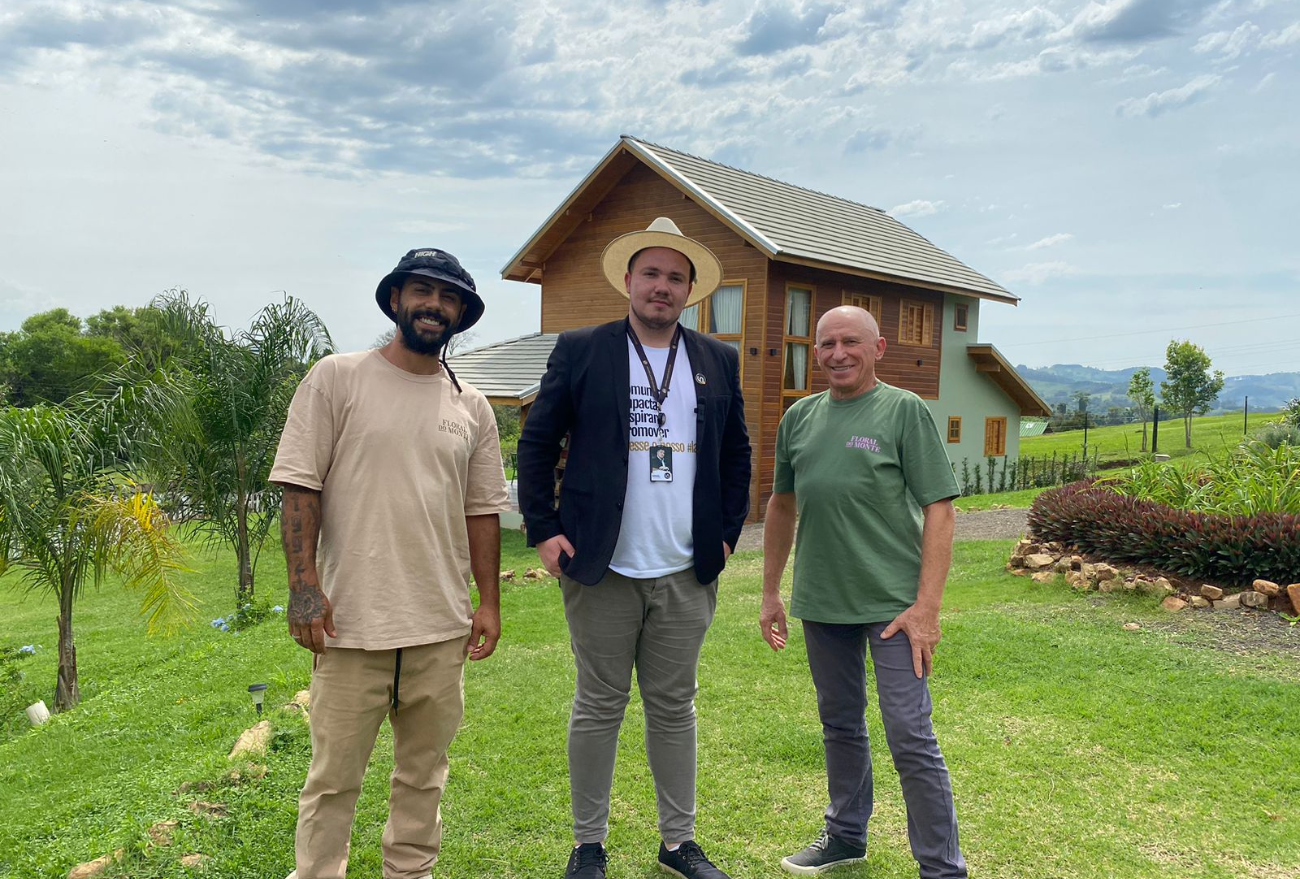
(689, 862)
(586, 862)
(827, 852)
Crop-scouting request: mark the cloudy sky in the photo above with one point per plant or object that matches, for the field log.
(1129, 167)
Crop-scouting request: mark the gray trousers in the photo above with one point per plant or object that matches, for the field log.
(837, 658)
(657, 626)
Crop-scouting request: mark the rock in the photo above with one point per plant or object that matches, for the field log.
(508, 575)
(1061, 566)
(1173, 603)
(1214, 593)
(1107, 586)
(1293, 593)
(1132, 627)
(161, 833)
(1200, 602)
(254, 741)
(96, 867)
(208, 810)
(1104, 572)
(195, 861)
(1054, 548)
(1088, 570)
(1038, 561)
(1076, 580)
(1229, 602)
(1076, 562)
(1129, 585)
(1266, 587)
(1253, 599)
(1043, 576)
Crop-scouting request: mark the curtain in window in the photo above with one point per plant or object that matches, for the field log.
(690, 317)
(727, 306)
(797, 305)
(796, 366)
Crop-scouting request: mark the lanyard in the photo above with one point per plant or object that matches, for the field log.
(660, 393)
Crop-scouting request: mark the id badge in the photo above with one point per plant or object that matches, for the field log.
(661, 464)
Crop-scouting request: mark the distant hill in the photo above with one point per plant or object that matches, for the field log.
(1109, 387)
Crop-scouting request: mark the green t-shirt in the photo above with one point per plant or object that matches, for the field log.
(861, 469)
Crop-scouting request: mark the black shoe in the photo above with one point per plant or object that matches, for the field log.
(827, 852)
(586, 862)
(689, 862)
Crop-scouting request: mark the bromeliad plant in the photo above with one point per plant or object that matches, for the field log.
(68, 516)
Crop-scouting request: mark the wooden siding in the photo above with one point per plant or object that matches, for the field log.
(576, 294)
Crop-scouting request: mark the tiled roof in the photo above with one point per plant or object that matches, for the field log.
(509, 370)
(796, 222)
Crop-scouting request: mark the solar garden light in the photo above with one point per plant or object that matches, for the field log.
(258, 692)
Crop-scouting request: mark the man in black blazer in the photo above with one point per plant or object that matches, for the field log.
(654, 494)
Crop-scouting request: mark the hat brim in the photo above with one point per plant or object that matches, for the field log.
(708, 270)
(474, 306)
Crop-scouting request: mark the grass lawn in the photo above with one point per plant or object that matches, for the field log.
(1077, 749)
(1211, 435)
(1023, 499)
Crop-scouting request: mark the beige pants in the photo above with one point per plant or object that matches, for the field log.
(351, 694)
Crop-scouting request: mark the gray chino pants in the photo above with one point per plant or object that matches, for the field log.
(657, 626)
(837, 658)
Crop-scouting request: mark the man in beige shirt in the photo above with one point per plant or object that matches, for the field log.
(392, 488)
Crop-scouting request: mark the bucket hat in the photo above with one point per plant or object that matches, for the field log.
(441, 266)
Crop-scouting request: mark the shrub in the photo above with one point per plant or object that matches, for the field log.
(1279, 433)
(1123, 528)
(1253, 479)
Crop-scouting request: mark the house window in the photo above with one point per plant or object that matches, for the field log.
(721, 315)
(995, 437)
(959, 316)
(796, 369)
(954, 429)
(916, 323)
(872, 304)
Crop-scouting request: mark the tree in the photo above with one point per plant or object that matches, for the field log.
(218, 451)
(1142, 392)
(67, 516)
(141, 332)
(1189, 388)
(1081, 400)
(50, 358)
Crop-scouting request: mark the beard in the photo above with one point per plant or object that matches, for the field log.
(415, 338)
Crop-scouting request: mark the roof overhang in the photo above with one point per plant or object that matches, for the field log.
(990, 362)
(894, 279)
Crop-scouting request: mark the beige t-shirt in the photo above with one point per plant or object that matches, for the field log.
(400, 460)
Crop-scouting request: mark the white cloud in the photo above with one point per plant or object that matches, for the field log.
(1050, 241)
(1264, 83)
(1229, 44)
(1172, 206)
(918, 208)
(1038, 272)
(1277, 39)
(1157, 103)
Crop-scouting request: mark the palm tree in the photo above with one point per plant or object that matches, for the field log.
(68, 516)
(216, 452)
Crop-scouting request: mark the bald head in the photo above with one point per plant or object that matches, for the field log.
(850, 317)
(848, 346)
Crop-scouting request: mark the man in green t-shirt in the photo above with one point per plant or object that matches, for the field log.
(865, 470)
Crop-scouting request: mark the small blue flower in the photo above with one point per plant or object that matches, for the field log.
(218, 622)
(28, 649)
(277, 609)
(225, 627)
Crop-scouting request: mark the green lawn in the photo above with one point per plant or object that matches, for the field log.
(1211, 435)
(1077, 749)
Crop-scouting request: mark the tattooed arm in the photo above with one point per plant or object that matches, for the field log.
(310, 616)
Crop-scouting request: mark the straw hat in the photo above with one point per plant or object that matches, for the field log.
(663, 232)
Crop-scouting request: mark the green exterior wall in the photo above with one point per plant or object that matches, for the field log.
(968, 394)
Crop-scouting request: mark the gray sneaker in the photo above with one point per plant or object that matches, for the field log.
(827, 852)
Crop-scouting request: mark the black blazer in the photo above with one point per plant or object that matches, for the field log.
(585, 394)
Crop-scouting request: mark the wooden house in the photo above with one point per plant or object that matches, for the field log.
(788, 255)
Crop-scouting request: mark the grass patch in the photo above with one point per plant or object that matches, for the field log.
(1022, 499)
(1212, 435)
(1077, 749)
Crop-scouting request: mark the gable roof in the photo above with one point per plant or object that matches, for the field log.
(787, 223)
(990, 362)
(507, 372)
